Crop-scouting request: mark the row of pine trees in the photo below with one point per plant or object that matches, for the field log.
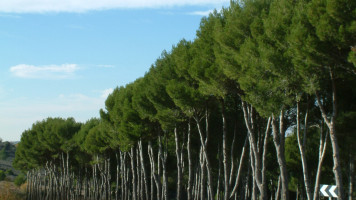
(260, 105)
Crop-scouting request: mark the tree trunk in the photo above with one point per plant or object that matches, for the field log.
(204, 144)
(155, 175)
(239, 170)
(351, 174)
(302, 152)
(279, 141)
(202, 179)
(322, 150)
(278, 191)
(219, 176)
(334, 143)
(133, 172)
(117, 177)
(179, 167)
(143, 170)
(226, 167)
(163, 158)
(258, 163)
(190, 165)
(232, 165)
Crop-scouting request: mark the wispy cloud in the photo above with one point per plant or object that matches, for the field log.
(44, 72)
(201, 13)
(9, 16)
(106, 93)
(43, 6)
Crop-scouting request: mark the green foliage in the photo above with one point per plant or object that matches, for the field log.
(45, 141)
(2, 175)
(9, 172)
(3, 154)
(268, 53)
(20, 179)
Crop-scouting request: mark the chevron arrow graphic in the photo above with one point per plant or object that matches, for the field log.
(322, 190)
(332, 191)
(328, 190)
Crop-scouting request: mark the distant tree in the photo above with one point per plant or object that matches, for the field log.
(9, 172)
(2, 175)
(20, 179)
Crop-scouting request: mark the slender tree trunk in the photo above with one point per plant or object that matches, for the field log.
(263, 171)
(334, 143)
(322, 150)
(163, 158)
(143, 170)
(226, 167)
(351, 174)
(117, 177)
(202, 179)
(138, 173)
(203, 144)
(279, 141)
(278, 191)
(247, 188)
(190, 165)
(239, 170)
(133, 172)
(155, 175)
(179, 167)
(302, 152)
(232, 168)
(219, 176)
(258, 163)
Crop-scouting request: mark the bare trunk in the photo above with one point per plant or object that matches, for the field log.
(155, 175)
(219, 176)
(331, 125)
(278, 191)
(143, 170)
(163, 158)
(179, 167)
(258, 163)
(322, 150)
(351, 174)
(238, 176)
(302, 152)
(226, 167)
(279, 141)
(133, 172)
(190, 165)
(203, 144)
(232, 165)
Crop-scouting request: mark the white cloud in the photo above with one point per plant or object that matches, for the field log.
(105, 93)
(43, 6)
(44, 72)
(201, 13)
(17, 115)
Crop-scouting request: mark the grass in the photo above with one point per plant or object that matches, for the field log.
(9, 191)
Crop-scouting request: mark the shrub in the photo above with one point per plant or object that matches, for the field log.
(8, 191)
(9, 172)
(20, 179)
(2, 175)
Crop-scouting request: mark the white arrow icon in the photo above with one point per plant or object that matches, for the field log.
(322, 190)
(332, 191)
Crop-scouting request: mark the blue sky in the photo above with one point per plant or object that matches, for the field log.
(61, 58)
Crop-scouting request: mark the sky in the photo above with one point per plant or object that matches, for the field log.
(62, 58)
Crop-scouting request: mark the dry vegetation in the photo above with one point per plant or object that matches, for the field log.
(9, 191)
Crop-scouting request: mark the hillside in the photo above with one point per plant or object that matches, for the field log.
(7, 155)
